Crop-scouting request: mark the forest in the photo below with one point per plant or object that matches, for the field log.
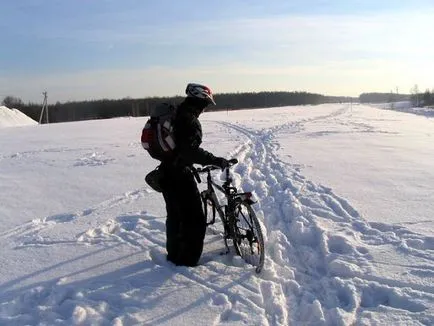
(110, 108)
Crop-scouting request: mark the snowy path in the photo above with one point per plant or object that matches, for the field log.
(319, 248)
(323, 265)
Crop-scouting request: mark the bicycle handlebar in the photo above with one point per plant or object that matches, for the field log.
(208, 168)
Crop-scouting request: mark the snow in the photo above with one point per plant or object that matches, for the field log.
(14, 117)
(406, 106)
(345, 196)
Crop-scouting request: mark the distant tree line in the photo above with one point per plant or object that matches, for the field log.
(105, 108)
(427, 98)
(382, 97)
(416, 97)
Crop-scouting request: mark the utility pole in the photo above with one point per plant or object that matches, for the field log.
(44, 108)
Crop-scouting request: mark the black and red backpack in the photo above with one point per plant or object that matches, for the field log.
(157, 135)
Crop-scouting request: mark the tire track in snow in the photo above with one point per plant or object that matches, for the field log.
(141, 231)
(317, 260)
(30, 233)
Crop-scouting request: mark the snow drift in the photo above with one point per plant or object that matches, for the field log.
(13, 118)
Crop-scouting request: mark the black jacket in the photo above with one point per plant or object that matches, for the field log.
(188, 137)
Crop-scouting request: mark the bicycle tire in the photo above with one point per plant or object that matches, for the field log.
(248, 239)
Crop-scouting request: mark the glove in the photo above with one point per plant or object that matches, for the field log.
(221, 162)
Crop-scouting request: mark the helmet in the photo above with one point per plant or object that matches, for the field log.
(200, 91)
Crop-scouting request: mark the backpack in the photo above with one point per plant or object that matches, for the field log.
(157, 134)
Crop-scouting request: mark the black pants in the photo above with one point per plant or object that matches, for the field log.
(185, 224)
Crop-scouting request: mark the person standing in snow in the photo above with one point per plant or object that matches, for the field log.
(186, 222)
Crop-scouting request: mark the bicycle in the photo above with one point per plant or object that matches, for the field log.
(239, 220)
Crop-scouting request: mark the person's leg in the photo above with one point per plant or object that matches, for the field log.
(192, 223)
(172, 226)
(170, 185)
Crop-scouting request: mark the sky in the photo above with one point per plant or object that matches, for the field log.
(78, 50)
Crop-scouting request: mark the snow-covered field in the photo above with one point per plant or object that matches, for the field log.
(345, 194)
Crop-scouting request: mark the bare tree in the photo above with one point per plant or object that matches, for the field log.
(12, 102)
(415, 95)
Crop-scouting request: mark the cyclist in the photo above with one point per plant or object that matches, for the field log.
(185, 223)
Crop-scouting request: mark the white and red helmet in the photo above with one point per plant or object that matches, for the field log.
(200, 91)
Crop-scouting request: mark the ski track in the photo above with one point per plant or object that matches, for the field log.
(318, 268)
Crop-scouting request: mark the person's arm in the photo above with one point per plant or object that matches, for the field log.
(188, 135)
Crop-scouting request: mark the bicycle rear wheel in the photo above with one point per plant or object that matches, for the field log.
(248, 239)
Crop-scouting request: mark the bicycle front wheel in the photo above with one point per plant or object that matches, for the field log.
(247, 236)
